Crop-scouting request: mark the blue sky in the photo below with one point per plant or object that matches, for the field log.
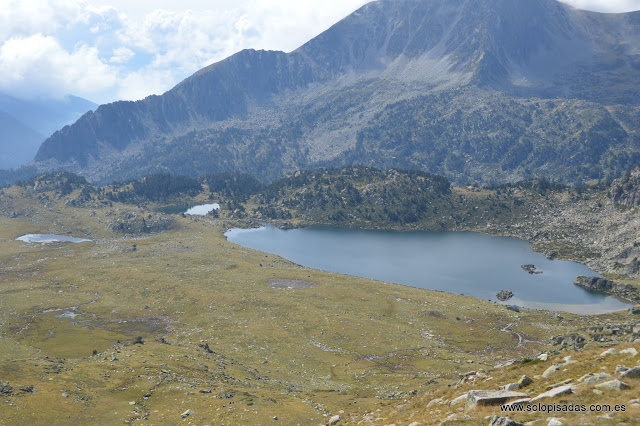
(105, 50)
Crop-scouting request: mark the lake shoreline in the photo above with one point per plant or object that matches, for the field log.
(527, 292)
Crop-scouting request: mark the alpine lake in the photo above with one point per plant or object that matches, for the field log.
(456, 262)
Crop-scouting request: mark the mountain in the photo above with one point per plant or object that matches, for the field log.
(477, 90)
(26, 124)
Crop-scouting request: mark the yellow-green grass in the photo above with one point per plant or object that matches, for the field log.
(581, 363)
(300, 355)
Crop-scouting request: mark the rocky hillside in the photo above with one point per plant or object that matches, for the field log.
(476, 90)
(626, 190)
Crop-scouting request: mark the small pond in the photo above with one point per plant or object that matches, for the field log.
(50, 238)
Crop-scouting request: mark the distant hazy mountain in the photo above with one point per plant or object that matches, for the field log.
(25, 124)
(477, 90)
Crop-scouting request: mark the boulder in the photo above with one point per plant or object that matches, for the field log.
(553, 421)
(549, 371)
(334, 420)
(6, 389)
(525, 381)
(504, 295)
(557, 385)
(459, 400)
(511, 387)
(631, 351)
(553, 393)
(632, 373)
(489, 397)
(514, 308)
(612, 385)
(596, 378)
(187, 413)
(503, 421)
(621, 369)
(612, 351)
(543, 357)
(635, 310)
(434, 402)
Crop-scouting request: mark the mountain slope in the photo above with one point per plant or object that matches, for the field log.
(393, 80)
(25, 124)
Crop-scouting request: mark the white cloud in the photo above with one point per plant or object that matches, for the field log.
(127, 49)
(612, 6)
(38, 64)
(122, 55)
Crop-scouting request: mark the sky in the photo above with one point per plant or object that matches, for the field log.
(107, 50)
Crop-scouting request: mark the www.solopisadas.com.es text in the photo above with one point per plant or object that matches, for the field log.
(564, 408)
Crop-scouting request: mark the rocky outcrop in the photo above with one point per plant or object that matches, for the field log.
(555, 392)
(626, 190)
(502, 421)
(531, 269)
(489, 397)
(504, 295)
(6, 389)
(604, 285)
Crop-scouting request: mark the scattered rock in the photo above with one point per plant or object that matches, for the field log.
(598, 392)
(434, 402)
(612, 385)
(27, 389)
(187, 413)
(525, 381)
(632, 373)
(284, 284)
(511, 387)
(65, 395)
(415, 424)
(631, 351)
(554, 421)
(553, 393)
(459, 400)
(514, 308)
(503, 421)
(504, 295)
(543, 357)
(132, 403)
(635, 310)
(621, 369)
(549, 371)
(6, 389)
(476, 397)
(612, 351)
(596, 378)
(334, 420)
(205, 391)
(557, 385)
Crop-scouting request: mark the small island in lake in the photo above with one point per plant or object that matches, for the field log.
(531, 269)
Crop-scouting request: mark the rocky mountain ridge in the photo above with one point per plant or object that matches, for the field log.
(544, 78)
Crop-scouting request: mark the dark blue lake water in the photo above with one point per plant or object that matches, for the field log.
(457, 262)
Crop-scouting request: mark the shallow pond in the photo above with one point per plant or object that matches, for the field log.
(50, 238)
(456, 262)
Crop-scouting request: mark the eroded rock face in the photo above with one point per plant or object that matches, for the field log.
(626, 190)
